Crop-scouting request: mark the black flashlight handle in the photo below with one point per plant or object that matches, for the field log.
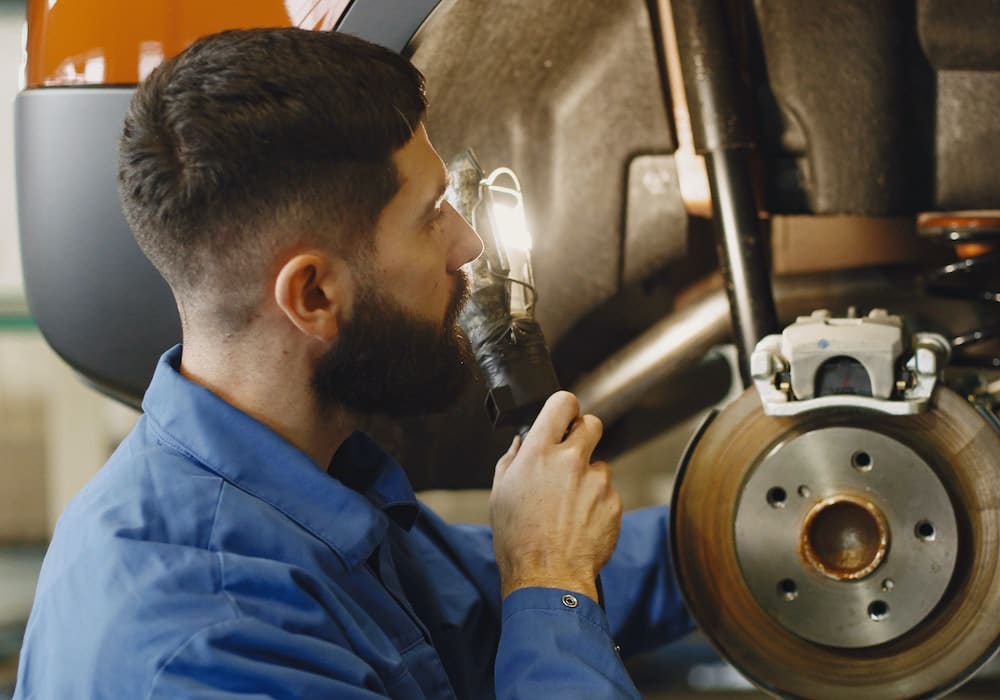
(519, 370)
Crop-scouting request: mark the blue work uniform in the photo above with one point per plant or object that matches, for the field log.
(210, 558)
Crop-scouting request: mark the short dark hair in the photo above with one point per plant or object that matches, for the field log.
(253, 139)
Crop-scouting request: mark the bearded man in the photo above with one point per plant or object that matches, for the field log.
(244, 540)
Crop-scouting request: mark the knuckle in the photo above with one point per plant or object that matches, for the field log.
(578, 464)
(600, 475)
(603, 469)
(567, 400)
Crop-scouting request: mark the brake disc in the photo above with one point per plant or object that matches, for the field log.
(844, 553)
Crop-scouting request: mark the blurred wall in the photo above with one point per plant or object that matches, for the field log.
(11, 22)
(55, 432)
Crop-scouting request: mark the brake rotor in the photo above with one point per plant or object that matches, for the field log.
(844, 554)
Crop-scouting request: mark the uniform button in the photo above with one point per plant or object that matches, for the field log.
(569, 601)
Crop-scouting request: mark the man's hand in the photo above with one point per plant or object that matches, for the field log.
(555, 515)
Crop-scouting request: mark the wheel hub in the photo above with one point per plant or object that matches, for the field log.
(828, 536)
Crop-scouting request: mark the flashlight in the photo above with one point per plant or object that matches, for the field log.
(499, 319)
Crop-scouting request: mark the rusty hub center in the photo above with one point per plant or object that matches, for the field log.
(844, 537)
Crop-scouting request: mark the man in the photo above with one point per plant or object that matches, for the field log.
(244, 541)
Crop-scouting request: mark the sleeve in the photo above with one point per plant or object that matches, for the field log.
(549, 649)
(641, 595)
(557, 644)
(541, 642)
(245, 657)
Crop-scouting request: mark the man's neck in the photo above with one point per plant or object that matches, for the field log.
(271, 387)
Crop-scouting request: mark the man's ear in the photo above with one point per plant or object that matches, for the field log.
(311, 289)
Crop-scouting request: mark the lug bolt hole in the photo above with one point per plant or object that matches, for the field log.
(925, 531)
(776, 497)
(787, 590)
(862, 461)
(878, 610)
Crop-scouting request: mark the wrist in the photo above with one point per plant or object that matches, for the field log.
(581, 586)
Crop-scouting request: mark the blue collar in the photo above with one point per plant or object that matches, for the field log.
(348, 508)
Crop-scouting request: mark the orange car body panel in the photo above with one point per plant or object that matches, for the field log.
(118, 42)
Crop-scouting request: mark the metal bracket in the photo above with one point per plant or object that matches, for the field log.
(869, 363)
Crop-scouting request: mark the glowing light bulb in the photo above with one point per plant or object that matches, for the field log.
(507, 213)
(511, 225)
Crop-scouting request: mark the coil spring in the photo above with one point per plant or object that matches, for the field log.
(974, 277)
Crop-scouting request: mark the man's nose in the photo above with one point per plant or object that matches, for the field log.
(467, 245)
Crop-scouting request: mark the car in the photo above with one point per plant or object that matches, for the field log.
(694, 175)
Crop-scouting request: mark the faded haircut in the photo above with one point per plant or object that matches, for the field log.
(252, 140)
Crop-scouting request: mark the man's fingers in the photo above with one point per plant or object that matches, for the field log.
(559, 411)
(585, 434)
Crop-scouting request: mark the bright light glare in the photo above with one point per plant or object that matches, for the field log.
(150, 56)
(93, 69)
(511, 239)
(511, 226)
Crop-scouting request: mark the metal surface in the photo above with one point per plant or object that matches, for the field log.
(933, 654)
(711, 78)
(718, 119)
(742, 252)
(678, 341)
(654, 216)
(874, 341)
(820, 362)
(671, 345)
(845, 536)
(390, 23)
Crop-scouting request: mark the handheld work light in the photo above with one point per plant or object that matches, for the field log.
(499, 318)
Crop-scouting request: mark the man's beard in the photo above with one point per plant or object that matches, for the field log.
(390, 361)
